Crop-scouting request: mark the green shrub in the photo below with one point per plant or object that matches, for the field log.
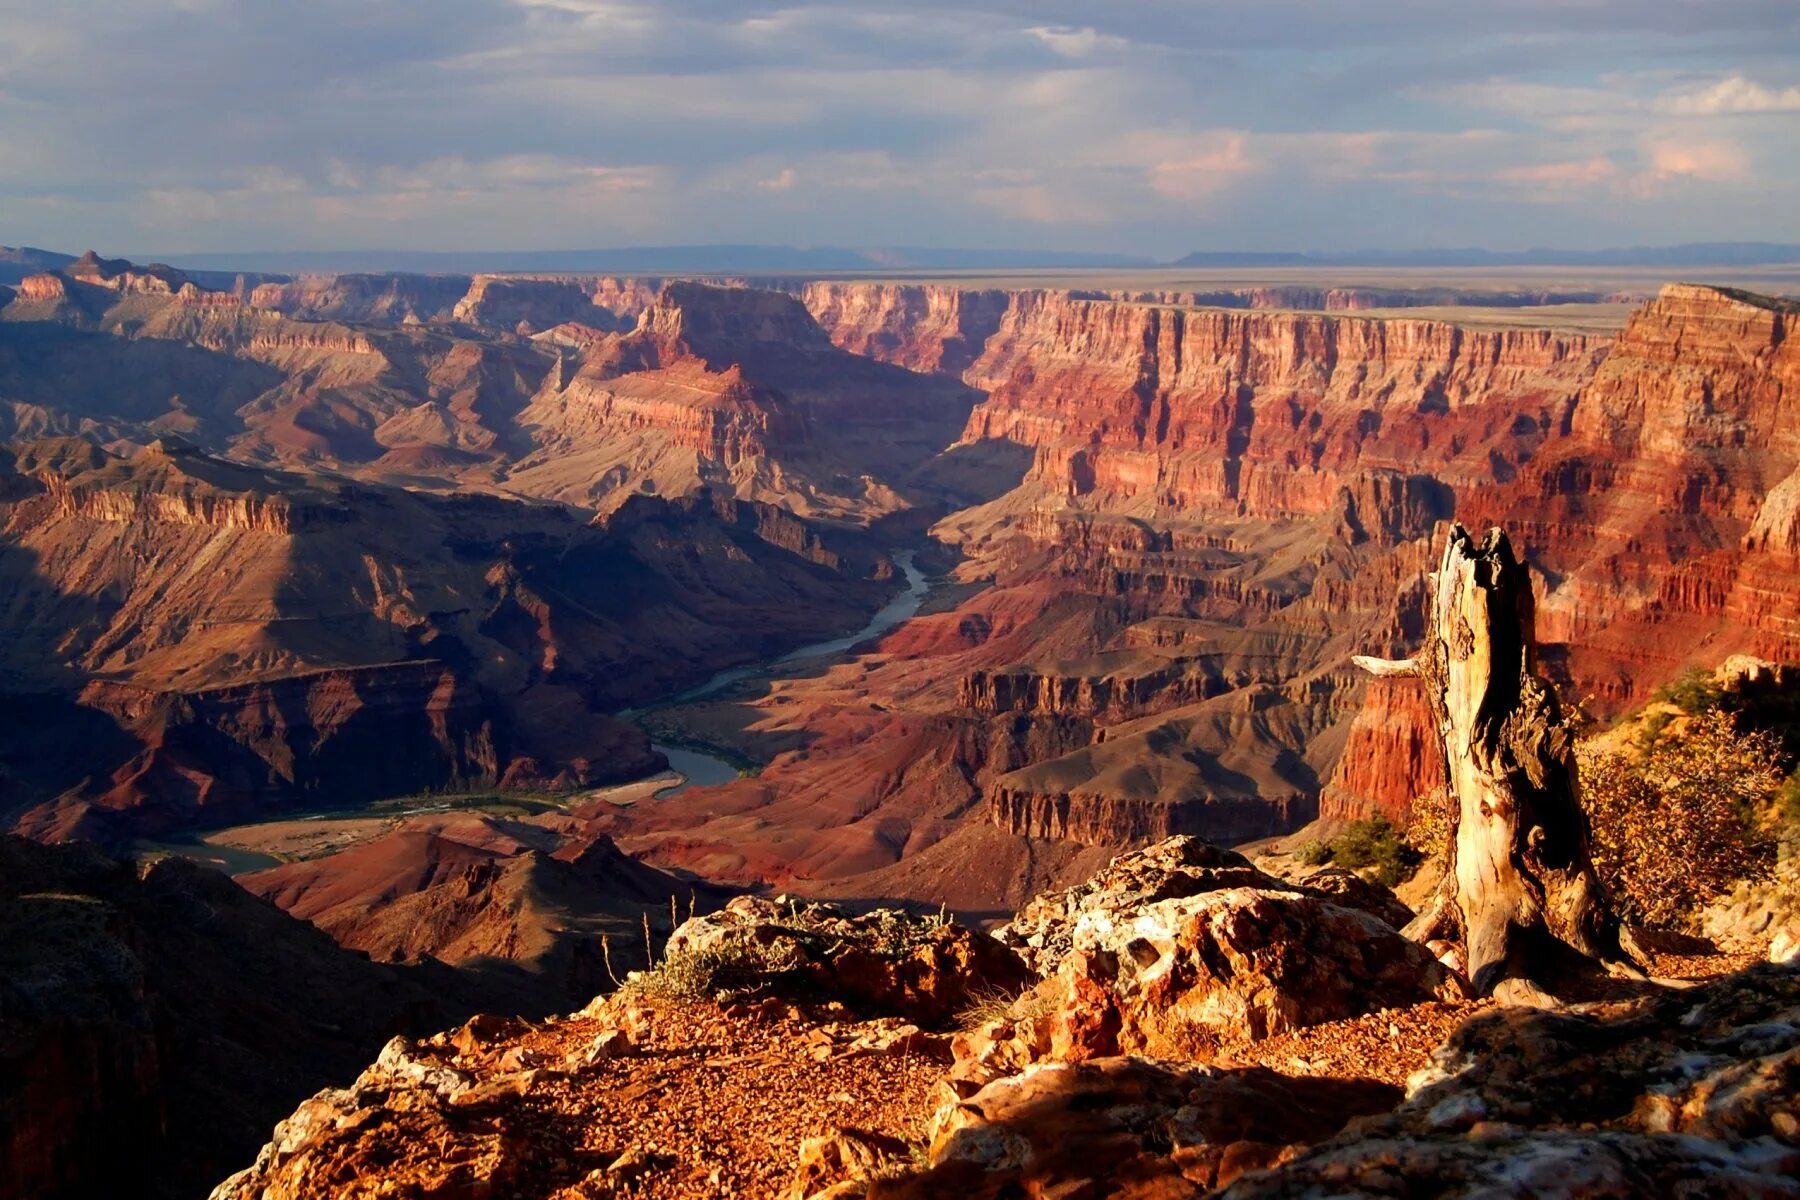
(1693, 691)
(1376, 844)
(1373, 845)
(1314, 854)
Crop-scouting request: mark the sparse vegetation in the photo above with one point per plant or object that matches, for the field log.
(1693, 691)
(1787, 808)
(1686, 816)
(986, 1007)
(1430, 825)
(896, 932)
(1372, 845)
(730, 969)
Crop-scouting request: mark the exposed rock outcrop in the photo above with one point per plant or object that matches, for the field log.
(1127, 1127)
(1162, 409)
(492, 897)
(740, 389)
(157, 1018)
(1172, 950)
(364, 299)
(1685, 1092)
(884, 962)
(922, 327)
(253, 638)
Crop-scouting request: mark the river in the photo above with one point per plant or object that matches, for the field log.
(700, 769)
(696, 767)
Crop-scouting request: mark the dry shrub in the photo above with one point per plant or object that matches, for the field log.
(993, 1004)
(1683, 816)
(1430, 825)
(730, 969)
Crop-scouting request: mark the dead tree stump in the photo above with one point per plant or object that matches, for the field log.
(1520, 893)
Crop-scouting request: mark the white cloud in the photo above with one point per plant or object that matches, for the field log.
(1731, 96)
(1672, 157)
(1135, 125)
(1072, 42)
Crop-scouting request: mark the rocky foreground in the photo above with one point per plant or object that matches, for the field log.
(1182, 1025)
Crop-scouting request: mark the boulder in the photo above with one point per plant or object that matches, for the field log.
(1178, 978)
(842, 1163)
(886, 962)
(406, 1112)
(1044, 930)
(1350, 890)
(1755, 913)
(1504, 1163)
(1127, 1127)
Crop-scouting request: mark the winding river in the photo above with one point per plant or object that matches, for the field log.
(700, 769)
(696, 767)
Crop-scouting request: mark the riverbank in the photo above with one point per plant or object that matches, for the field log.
(708, 764)
(315, 833)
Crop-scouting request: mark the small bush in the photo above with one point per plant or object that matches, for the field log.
(1364, 845)
(734, 968)
(1375, 844)
(1678, 823)
(1693, 692)
(1431, 824)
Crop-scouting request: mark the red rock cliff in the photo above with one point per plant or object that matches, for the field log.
(1261, 413)
(918, 326)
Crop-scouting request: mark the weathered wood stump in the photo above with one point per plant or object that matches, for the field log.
(1520, 893)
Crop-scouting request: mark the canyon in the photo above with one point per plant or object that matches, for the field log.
(402, 585)
(478, 521)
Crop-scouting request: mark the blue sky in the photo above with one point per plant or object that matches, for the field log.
(1142, 126)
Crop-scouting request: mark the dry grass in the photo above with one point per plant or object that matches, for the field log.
(995, 1005)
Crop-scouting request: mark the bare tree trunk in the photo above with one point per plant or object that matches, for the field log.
(1520, 891)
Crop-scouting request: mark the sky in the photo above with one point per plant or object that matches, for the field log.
(1149, 127)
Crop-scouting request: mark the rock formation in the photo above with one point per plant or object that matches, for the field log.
(1683, 1093)
(157, 1018)
(812, 1098)
(1103, 1124)
(940, 330)
(1191, 518)
(884, 962)
(1173, 950)
(252, 638)
(497, 898)
(739, 389)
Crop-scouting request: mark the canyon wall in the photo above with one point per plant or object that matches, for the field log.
(1149, 409)
(922, 327)
(254, 640)
(160, 1018)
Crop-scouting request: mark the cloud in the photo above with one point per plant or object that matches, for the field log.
(1072, 42)
(1672, 157)
(1732, 96)
(1198, 168)
(1561, 176)
(1141, 125)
